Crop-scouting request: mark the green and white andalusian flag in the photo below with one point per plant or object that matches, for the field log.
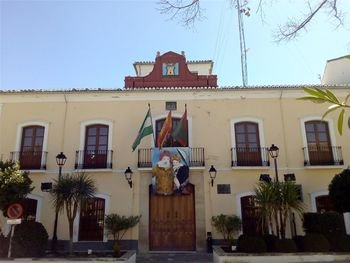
(146, 129)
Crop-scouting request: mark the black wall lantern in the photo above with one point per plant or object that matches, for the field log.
(128, 176)
(212, 174)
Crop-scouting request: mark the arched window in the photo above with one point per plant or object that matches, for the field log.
(319, 145)
(31, 149)
(30, 207)
(324, 204)
(170, 142)
(247, 148)
(96, 146)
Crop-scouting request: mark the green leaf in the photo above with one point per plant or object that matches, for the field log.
(340, 122)
(332, 96)
(322, 93)
(330, 109)
(312, 92)
(313, 99)
(346, 98)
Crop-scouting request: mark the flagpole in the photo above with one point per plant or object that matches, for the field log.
(149, 107)
(186, 122)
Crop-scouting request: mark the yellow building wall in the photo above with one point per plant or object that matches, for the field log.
(210, 114)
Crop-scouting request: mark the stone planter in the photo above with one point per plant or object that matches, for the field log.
(220, 256)
(128, 257)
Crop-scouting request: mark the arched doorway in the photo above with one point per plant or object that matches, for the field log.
(172, 221)
(250, 216)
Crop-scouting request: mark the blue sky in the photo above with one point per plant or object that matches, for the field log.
(64, 44)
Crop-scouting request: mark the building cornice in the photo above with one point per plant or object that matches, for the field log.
(157, 94)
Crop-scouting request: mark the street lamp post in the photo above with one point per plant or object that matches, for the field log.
(273, 150)
(60, 160)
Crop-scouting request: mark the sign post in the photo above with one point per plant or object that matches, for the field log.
(14, 212)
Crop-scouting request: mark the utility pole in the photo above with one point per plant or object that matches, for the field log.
(242, 45)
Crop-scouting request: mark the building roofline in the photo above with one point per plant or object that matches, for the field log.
(216, 89)
(339, 58)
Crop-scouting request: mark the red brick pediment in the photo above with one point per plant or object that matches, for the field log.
(171, 70)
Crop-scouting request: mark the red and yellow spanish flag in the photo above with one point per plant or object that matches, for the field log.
(166, 129)
(180, 134)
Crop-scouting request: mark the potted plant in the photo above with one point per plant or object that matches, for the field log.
(117, 226)
(228, 225)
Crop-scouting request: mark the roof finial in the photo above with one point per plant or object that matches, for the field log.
(183, 53)
(158, 53)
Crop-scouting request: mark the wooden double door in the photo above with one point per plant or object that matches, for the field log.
(172, 222)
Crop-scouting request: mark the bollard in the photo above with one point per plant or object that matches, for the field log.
(209, 243)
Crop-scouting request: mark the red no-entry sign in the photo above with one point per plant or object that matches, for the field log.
(15, 211)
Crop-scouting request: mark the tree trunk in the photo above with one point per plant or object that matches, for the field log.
(277, 224)
(71, 221)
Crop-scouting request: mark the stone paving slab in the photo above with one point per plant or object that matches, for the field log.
(174, 257)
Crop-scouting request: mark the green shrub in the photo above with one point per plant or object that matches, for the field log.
(343, 243)
(315, 243)
(270, 241)
(227, 225)
(298, 240)
(4, 244)
(333, 241)
(29, 240)
(285, 245)
(251, 244)
(328, 223)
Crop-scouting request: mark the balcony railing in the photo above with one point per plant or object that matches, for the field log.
(323, 155)
(30, 160)
(145, 158)
(98, 159)
(249, 156)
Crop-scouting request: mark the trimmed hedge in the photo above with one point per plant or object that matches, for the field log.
(4, 244)
(29, 240)
(250, 244)
(315, 243)
(343, 243)
(285, 245)
(328, 223)
(298, 240)
(270, 241)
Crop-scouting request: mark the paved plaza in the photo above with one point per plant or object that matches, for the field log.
(174, 257)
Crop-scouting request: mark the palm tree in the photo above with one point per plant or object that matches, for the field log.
(276, 200)
(265, 199)
(68, 192)
(289, 201)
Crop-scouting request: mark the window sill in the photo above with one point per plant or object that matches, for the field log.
(35, 171)
(106, 170)
(250, 167)
(324, 167)
(191, 168)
